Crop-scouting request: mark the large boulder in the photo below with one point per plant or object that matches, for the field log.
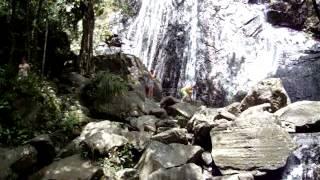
(174, 135)
(254, 142)
(102, 136)
(145, 123)
(131, 103)
(73, 167)
(17, 162)
(186, 110)
(188, 171)
(303, 115)
(159, 155)
(267, 91)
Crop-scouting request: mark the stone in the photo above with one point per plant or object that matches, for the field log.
(170, 123)
(207, 158)
(95, 130)
(201, 124)
(45, 148)
(159, 155)
(17, 161)
(145, 123)
(127, 174)
(187, 171)
(168, 101)
(174, 135)
(254, 142)
(183, 109)
(267, 91)
(101, 143)
(159, 113)
(73, 167)
(303, 116)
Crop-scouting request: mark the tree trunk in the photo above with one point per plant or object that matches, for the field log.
(11, 31)
(45, 48)
(316, 9)
(86, 51)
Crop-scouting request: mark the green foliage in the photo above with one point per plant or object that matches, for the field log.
(116, 5)
(119, 158)
(110, 85)
(29, 107)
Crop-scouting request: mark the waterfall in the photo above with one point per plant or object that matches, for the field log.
(225, 46)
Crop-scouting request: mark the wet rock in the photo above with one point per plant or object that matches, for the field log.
(267, 91)
(159, 155)
(187, 171)
(254, 142)
(175, 135)
(17, 161)
(183, 109)
(73, 167)
(302, 116)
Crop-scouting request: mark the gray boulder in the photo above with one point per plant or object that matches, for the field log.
(186, 110)
(254, 142)
(304, 115)
(145, 123)
(174, 135)
(159, 155)
(101, 143)
(185, 172)
(267, 91)
(73, 167)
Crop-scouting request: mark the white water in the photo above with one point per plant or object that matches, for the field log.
(232, 38)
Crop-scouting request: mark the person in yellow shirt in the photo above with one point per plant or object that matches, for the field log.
(186, 93)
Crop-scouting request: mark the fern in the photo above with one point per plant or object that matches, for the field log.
(110, 85)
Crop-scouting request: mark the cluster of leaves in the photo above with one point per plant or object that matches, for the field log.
(119, 158)
(124, 7)
(29, 107)
(109, 85)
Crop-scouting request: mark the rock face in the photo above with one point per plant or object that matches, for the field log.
(159, 155)
(301, 116)
(294, 14)
(17, 161)
(72, 167)
(194, 42)
(253, 143)
(267, 91)
(188, 171)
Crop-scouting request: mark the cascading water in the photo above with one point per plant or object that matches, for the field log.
(222, 45)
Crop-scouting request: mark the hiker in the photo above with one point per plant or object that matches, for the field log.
(24, 68)
(186, 93)
(149, 87)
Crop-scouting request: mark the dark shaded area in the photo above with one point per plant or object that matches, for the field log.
(301, 78)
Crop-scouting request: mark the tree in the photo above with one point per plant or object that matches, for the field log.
(86, 51)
